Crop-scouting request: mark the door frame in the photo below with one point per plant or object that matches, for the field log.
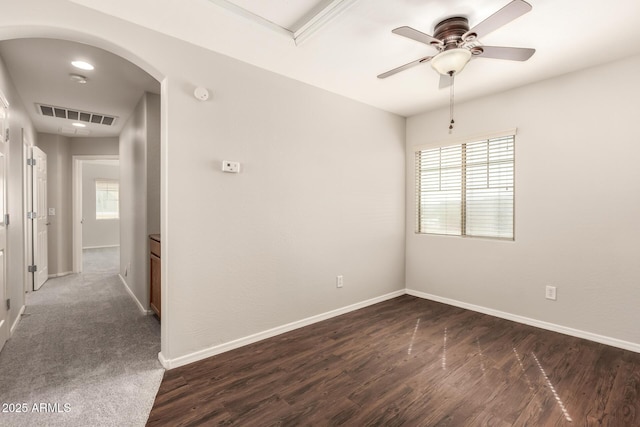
(40, 223)
(76, 196)
(5, 314)
(26, 230)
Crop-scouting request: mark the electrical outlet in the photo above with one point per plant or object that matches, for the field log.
(339, 281)
(550, 293)
(232, 167)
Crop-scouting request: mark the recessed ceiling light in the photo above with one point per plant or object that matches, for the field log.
(78, 78)
(79, 125)
(83, 65)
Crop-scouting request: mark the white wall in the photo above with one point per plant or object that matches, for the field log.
(104, 232)
(321, 191)
(320, 195)
(153, 163)
(89, 146)
(59, 198)
(139, 195)
(59, 150)
(577, 205)
(19, 124)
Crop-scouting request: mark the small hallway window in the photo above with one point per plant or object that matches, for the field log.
(107, 196)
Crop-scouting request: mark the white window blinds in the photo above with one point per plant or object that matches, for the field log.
(467, 189)
(107, 199)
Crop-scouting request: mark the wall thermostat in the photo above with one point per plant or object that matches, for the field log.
(231, 167)
(201, 93)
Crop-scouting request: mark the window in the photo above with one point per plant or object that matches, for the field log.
(107, 195)
(467, 189)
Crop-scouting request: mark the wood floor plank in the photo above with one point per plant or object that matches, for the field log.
(407, 362)
(623, 405)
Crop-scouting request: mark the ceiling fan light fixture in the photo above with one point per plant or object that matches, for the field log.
(451, 62)
(83, 65)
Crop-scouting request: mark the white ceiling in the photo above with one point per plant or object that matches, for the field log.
(285, 13)
(347, 54)
(40, 70)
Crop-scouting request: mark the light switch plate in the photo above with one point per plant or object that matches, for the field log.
(550, 293)
(52, 211)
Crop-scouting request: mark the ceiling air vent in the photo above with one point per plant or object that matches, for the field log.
(76, 115)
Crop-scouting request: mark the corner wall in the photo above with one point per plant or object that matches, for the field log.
(153, 163)
(577, 189)
(139, 193)
(59, 245)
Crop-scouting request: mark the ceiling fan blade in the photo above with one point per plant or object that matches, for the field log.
(510, 53)
(416, 35)
(445, 81)
(505, 15)
(404, 67)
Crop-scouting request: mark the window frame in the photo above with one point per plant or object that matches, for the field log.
(462, 142)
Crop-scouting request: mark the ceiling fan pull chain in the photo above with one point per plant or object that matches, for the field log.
(451, 102)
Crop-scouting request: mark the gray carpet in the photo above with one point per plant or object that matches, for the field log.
(83, 348)
(102, 260)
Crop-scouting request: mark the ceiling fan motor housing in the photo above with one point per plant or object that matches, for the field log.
(450, 31)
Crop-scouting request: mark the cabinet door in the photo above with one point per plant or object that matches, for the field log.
(154, 275)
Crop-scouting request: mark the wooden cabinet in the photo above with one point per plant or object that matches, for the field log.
(154, 274)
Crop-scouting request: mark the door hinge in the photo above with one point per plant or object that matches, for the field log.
(8, 303)
(6, 219)
(6, 137)
(32, 215)
(31, 162)
(32, 268)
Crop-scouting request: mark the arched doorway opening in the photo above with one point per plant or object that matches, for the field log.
(63, 140)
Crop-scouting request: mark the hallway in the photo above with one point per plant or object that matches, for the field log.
(102, 260)
(84, 350)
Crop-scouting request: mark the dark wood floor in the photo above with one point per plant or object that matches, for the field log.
(408, 362)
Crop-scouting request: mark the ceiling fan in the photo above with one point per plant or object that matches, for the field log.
(457, 44)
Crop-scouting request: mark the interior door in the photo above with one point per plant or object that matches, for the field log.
(40, 222)
(4, 309)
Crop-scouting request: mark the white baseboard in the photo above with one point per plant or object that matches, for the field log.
(53, 276)
(100, 247)
(232, 345)
(614, 342)
(15, 323)
(164, 362)
(130, 292)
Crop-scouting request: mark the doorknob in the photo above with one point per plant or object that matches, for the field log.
(48, 223)
(82, 221)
